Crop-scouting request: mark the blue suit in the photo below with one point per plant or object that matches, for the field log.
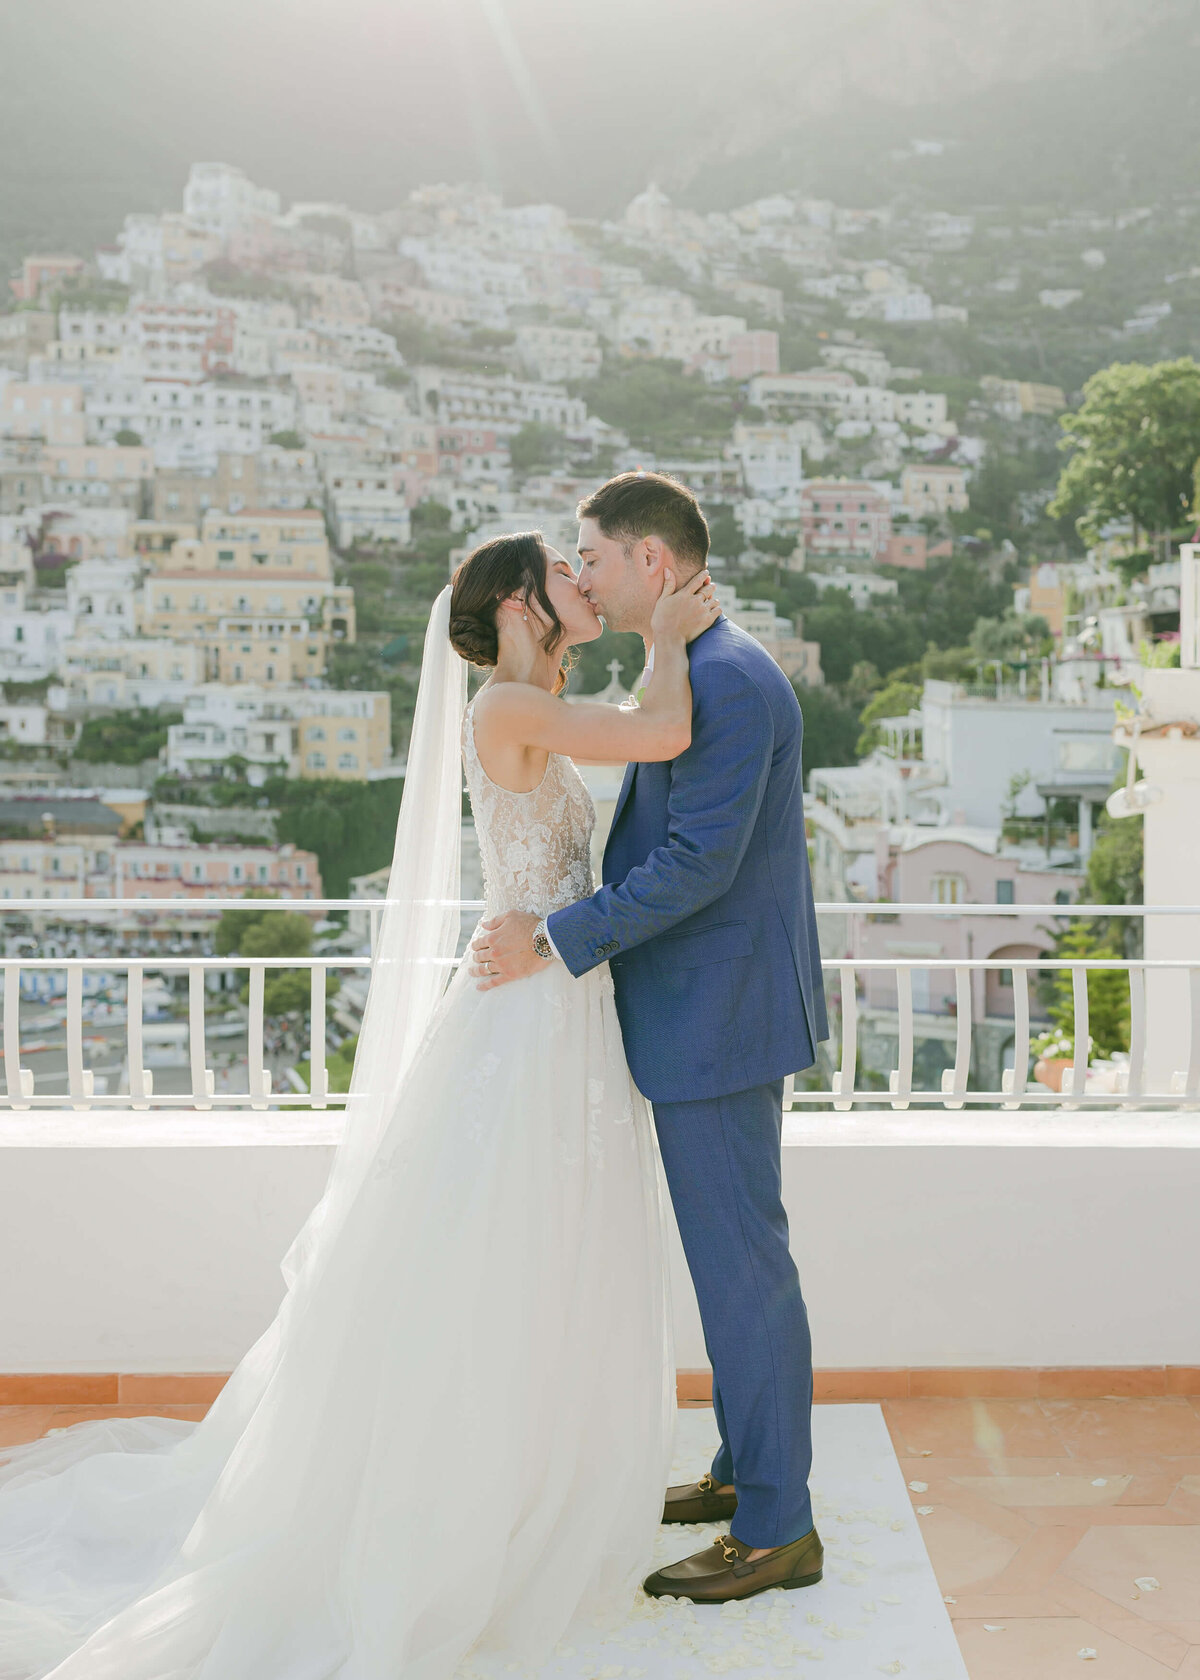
(706, 920)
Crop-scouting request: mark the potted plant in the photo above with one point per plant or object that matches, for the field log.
(1055, 1052)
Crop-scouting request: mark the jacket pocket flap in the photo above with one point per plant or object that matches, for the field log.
(697, 946)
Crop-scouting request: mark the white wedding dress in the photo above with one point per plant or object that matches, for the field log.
(451, 1444)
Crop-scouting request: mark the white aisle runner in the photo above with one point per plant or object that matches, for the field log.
(879, 1609)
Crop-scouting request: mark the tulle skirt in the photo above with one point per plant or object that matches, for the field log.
(451, 1444)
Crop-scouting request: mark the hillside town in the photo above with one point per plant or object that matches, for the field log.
(242, 447)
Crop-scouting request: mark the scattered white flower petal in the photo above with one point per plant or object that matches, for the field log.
(890, 1598)
(924, 1510)
(1148, 1583)
(994, 1627)
(896, 1667)
(946, 1599)
(1087, 1652)
(919, 1487)
(1097, 1481)
(897, 1526)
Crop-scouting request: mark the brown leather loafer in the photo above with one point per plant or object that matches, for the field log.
(721, 1571)
(699, 1502)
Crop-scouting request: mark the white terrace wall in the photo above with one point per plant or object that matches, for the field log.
(122, 1252)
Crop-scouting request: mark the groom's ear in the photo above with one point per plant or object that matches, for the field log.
(655, 556)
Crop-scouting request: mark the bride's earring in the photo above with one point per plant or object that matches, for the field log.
(525, 615)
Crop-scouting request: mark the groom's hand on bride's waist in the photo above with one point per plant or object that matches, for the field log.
(503, 950)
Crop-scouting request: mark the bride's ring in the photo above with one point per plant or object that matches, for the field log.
(489, 967)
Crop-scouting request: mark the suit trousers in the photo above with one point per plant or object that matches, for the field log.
(722, 1161)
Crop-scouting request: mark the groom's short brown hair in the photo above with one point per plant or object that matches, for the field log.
(648, 504)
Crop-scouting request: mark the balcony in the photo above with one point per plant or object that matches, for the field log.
(996, 1264)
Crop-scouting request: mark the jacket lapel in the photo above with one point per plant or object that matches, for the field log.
(626, 788)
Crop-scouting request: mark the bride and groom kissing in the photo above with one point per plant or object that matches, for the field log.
(451, 1445)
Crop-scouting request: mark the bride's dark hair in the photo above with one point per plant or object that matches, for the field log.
(510, 565)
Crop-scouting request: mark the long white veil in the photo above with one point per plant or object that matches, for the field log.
(417, 937)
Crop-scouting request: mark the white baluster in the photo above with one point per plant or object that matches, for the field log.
(318, 1073)
(203, 1079)
(80, 1083)
(260, 1078)
(954, 1080)
(900, 1082)
(141, 1079)
(1081, 1026)
(18, 1080)
(1137, 1035)
(843, 1081)
(1016, 1077)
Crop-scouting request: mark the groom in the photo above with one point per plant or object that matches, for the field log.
(706, 921)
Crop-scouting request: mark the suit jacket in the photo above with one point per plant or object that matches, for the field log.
(706, 913)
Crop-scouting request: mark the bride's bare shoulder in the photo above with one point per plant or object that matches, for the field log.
(509, 701)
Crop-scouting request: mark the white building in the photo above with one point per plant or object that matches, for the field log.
(503, 404)
(100, 597)
(224, 200)
(559, 353)
(771, 458)
(189, 425)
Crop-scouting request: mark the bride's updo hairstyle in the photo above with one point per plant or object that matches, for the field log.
(491, 573)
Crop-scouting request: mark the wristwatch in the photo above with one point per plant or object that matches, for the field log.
(541, 943)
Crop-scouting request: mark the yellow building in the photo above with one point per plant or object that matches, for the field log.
(934, 489)
(256, 590)
(345, 734)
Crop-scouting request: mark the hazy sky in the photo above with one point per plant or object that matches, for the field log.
(106, 102)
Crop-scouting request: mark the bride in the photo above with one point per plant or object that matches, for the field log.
(453, 1440)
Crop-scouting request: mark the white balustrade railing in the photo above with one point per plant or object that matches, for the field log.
(841, 1081)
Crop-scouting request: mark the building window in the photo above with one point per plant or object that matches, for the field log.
(948, 889)
(347, 761)
(1004, 892)
(316, 761)
(316, 734)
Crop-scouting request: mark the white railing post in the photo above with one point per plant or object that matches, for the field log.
(141, 1078)
(260, 1077)
(1014, 1080)
(900, 1082)
(1077, 1072)
(1137, 1033)
(80, 1082)
(18, 1081)
(318, 1074)
(843, 1080)
(203, 1079)
(954, 1080)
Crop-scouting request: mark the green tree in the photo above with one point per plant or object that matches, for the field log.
(1107, 990)
(897, 699)
(830, 728)
(262, 933)
(1010, 638)
(536, 445)
(1135, 440)
(127, 738)
(288, 439)
(128, 438)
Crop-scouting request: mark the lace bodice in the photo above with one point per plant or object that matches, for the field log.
(535, 847)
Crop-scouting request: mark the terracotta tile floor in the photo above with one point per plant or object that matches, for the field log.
(1045, 1515)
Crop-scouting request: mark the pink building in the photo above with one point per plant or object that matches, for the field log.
(753, 352)
(39, 274)
(964, 866)
(845, 518)
(908, 549)
(212, 869)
